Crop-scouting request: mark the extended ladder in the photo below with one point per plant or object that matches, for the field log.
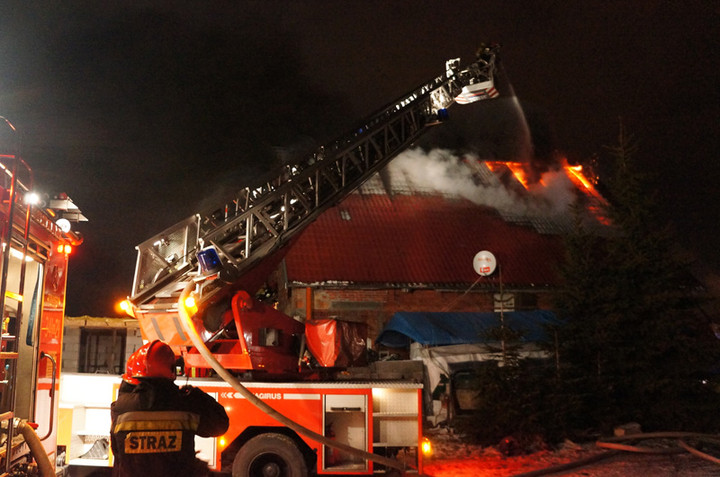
(260, 220)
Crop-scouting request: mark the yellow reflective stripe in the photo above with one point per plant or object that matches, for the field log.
(161, 420)
(155, 426)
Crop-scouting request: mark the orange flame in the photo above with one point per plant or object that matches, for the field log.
(574, 173)
(516, 168)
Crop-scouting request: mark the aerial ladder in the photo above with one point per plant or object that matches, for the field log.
(228, 251)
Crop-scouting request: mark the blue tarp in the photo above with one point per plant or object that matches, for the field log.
(442, 329)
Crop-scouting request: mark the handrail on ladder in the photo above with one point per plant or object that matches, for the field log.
(14, 182)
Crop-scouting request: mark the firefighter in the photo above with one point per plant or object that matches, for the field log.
(154, 422)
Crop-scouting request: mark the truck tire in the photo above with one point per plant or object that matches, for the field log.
(269, 455)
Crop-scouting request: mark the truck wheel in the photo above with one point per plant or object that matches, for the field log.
(269, 455)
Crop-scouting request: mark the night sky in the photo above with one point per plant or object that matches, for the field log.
(145, 112)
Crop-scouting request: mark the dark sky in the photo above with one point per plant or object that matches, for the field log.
(143, 112)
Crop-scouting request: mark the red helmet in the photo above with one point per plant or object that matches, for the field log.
(152, 360)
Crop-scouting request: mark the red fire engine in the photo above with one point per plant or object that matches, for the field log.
(193, 289)
(36, 242)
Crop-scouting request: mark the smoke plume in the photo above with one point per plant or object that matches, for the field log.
(441, 171)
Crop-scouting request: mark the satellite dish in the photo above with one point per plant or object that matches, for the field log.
(484, 263)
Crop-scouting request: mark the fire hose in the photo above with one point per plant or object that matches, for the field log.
(616, 446)
(190, 329)
(46, 468)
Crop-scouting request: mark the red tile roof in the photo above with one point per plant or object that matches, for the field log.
(418, 240)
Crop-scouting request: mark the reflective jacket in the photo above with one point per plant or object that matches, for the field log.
(154, 426)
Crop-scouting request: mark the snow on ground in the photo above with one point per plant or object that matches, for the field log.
(455, 458)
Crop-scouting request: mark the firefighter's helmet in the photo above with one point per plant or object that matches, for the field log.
(152, 360)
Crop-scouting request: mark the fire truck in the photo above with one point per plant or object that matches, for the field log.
(36, 242)
(194, 288)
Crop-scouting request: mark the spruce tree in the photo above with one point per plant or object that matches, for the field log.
(632, 348)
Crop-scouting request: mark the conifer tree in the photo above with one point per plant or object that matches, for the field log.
(632, 347)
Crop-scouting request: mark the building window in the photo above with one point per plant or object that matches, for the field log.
(515, 301)
(102, 350)
(526, 301)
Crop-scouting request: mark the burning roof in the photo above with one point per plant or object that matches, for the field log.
(421, 220)
(502, 185)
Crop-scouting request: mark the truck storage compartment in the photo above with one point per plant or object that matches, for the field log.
(345, 420)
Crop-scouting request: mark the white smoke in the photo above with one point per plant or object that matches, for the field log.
(443, 172)
(554, 193)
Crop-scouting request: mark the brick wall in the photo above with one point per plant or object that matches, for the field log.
(71, 350)
(71, 338)
(376, 307)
